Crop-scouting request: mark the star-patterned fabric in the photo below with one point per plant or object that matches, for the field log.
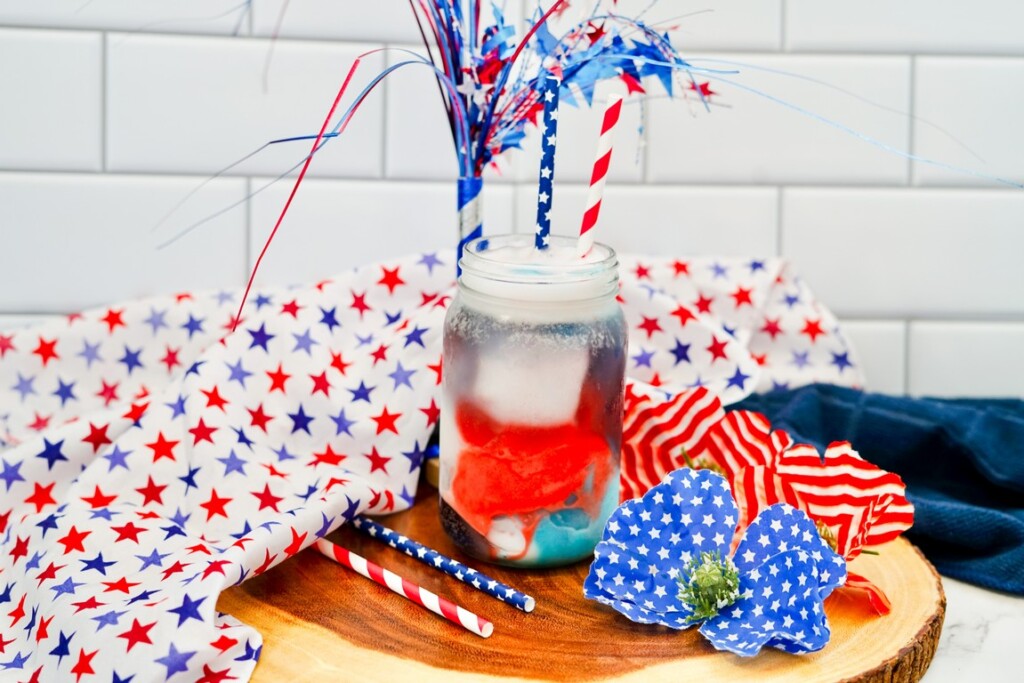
(151, 458)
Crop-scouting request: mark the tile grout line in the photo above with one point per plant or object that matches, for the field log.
(783, 14)
(104, 93)
(382, 170)
(911, 112)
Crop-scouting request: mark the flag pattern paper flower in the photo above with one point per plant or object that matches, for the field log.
(666, 559)
(151, 457)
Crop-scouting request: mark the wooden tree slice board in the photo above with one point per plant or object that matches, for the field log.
(322, 622)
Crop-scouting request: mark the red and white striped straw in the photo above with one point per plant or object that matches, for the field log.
(597, 177)
(407, 589)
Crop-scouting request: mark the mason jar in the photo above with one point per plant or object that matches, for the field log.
(532, 391)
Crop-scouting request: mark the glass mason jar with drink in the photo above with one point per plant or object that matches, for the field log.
(531, 420)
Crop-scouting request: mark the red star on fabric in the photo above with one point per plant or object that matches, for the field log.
(5, 643)
(703, 304)
(183, 296)
(91, 603)
(760, 359)
(381, 353)
(170, 358)
(49, 573)
(137, 634)
(114, 319)
(277, 379)
(328, 457)
(642, 272)
(684, 315)
(42, 633)
(323, 283)
(296, 544)
(214, 399)
(386, 421)
(377, 461)
(151, 492)
(680, 268)
(390, 279)
(338, 363)
(215, 567)
(742, 296)
(200, 548)
(321, 384)
(273, 471)
(97, 437)
(259, 418)
(650, 326)
(812, 328)
(162, 447)
(20, 549)
(73, 540)
(359, 303)
(108, 393)
(136, 411)
(6, 344)
(215, 675)
(122, 585)
(426, 298)
(202, 432)
(335, 481)
(291, 308)
(99, 499)
(175, 568)
(268, 559)
(46, 350)
(267, 498)
(83, 667)
(224, 643)
(18, 613)
(656, 380)
(40, 422)
(772, 327)
(437, 370)
(717, 349)
(215, 506)
(42, 497)
(432, 412)
(128, 531)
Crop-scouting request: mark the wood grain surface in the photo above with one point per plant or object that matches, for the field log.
(322, 622)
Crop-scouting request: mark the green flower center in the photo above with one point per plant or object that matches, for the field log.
(707, 584)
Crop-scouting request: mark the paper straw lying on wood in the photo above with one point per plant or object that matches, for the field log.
(407, 589)
(451, 567)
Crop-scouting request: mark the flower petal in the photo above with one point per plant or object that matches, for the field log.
(781, 528)
(781, 608)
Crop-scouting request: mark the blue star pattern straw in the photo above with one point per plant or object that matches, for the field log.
(549, 96)
(453, 568)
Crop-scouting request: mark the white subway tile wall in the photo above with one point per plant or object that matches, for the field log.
(115, 112)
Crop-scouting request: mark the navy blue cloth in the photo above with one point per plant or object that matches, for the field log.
(961, 459)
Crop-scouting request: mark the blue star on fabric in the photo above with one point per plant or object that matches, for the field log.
(841, 360)
(644, 358)
(801, 359)
(342, 424)
(416, 336)
(175, 661)
(416, 456)
(90, 352)
(238, 373)
(645, 565)
(756, 265)
(193, 325)
(305, 342)
(190, 479)
(24, 386)
(233, 463)
(681, 352)
(97, 563)
(65, 392)
(392, 318)
(17, 662)
(155, 558)
(47, 523)
(52, 453)
(300, 420)
(131, 359)
(329, 318)
(260, 337)
(177, 407)
(117, 458)
(11, 473)
(69, 586)
(738, 380)
(108, 619)
(63, 648)
(401, 376)
(361, 393)
(429, 261)
(189, 609)
(156, 320)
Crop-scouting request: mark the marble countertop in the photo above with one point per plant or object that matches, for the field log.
(982, 637)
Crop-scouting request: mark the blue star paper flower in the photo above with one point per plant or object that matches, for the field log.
(665, 559)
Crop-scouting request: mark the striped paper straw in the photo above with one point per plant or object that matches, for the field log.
(453, 568)
(597, 178)
(549, 96)
(407, 589)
